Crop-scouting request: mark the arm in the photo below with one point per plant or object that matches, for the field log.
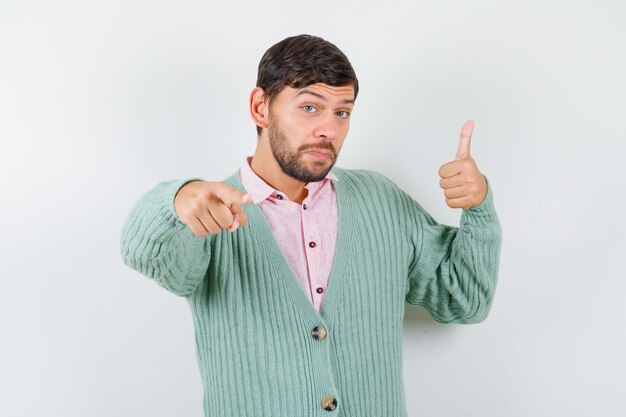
(454, 271)
(157, 244)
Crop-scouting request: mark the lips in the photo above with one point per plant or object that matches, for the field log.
(320, 153)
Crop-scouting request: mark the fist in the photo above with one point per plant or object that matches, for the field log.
(463, 184)
(208, 207)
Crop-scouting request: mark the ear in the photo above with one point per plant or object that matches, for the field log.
(259, 109)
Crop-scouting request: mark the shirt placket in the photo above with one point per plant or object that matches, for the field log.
(313, 249)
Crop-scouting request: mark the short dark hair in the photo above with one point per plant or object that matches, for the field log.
(302, 60)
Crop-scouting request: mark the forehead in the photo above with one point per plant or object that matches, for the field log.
(322, 91)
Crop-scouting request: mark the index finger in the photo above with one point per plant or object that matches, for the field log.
(229, 195)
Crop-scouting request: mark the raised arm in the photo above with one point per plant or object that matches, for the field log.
(454, 271)
(166, 236)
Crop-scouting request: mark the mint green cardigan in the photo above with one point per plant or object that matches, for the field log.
(257, 333)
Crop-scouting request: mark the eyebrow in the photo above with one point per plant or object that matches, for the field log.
(305, 91)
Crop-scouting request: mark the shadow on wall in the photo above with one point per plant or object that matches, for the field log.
(417, 316)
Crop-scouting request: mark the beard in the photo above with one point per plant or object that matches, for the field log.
(291, 162)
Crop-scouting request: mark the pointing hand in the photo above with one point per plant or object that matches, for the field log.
(208, 207)
(463, 184)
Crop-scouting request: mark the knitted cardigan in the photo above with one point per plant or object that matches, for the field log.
(257, 333)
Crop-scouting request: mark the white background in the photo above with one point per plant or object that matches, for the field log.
(101, 100)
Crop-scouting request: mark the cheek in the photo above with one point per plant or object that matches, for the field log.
(343, 133)
(297, 130)
(345, 127)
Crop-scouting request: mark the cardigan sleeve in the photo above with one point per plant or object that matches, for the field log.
(156, 243)
(454, 270)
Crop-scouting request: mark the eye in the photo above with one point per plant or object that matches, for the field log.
(343, 114)
(309, 109)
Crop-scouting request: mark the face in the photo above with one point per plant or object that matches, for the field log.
(307, 127)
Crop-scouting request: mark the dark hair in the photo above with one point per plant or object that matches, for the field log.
(299, 61)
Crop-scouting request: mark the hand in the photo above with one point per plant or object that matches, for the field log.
(208, 207)
(463, 184)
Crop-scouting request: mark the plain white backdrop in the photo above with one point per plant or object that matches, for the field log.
(101, 100)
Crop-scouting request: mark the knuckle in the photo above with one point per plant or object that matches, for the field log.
(186, 214)
(195, 207)
(211, 189)
(206, 194)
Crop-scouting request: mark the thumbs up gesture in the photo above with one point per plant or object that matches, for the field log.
(463, 184)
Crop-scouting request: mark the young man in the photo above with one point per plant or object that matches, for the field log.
(297, 275)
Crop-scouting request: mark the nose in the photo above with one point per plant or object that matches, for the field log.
(327, 128)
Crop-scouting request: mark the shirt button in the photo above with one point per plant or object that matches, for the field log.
(319, 332)
(329, 403)
(278, 196)
(304, 206)
(319, 290)
(312, 244)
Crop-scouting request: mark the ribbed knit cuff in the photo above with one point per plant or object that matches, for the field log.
(484, 213)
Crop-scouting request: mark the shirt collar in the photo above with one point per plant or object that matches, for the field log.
(260, 190)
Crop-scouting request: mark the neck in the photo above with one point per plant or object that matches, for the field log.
(267, 168)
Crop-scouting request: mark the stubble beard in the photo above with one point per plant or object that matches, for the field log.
(291, 162)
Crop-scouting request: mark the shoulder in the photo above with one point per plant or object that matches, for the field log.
(372, 188)
(365, 178)
(235, 180)
(360, 175)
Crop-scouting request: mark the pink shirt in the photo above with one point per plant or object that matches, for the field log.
(306, 233)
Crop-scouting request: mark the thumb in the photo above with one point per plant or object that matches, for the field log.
(463, 151)
(239, 217)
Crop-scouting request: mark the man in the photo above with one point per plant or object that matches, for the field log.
(297, 275)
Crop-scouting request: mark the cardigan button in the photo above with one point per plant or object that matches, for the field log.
(319, 332)
(329, 403)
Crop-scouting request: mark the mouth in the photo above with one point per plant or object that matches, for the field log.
(320, 153)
